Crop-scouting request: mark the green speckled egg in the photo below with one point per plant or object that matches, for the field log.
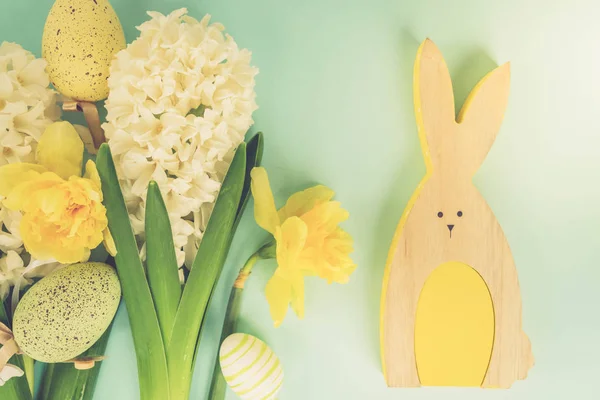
(79, 42)
(65, 313)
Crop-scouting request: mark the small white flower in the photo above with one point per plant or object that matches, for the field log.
(27, 104)
(27, 107)
(12, 271)
(8, 372)
(181, 100)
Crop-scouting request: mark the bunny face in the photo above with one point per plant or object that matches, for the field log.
(449, 212)
(450, 220)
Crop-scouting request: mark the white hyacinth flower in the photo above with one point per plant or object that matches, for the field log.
(27, 104)
(181, 101)
(27, 107)
(12, 271)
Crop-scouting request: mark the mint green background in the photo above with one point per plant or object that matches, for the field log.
(335, 96)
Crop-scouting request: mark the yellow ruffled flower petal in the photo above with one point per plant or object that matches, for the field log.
(60, 150)
(309, 242)
(297, 298)
(12, 175)
(287, 284)
(27, 195)
(109, 243)
(335, 263)
(32, 234)
(279, 295)
(302, 202)
(91, 173)
(290, 238)
(70, 255)
(328, 247)
(62, 220)
(325, 218)
(281, 291)
(265, 212)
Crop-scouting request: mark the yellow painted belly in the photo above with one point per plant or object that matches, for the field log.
(454, 327)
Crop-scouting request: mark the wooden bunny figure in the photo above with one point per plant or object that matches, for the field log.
(451, 304)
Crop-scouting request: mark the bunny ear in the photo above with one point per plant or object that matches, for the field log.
(434, 99)
(482, 114)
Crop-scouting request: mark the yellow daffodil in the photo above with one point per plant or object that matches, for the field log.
(63, 214)
(308, 241)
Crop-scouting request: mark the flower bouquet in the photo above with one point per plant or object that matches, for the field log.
(180, 102)
(143, 205)
(52, 217)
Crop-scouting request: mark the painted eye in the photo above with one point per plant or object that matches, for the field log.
(440, 214)
(459, 214)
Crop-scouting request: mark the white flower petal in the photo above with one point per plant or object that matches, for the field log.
(181, 100)
(6, 86)
(27, 107)
(8, 372)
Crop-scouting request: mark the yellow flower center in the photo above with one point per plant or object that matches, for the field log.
(61, 219)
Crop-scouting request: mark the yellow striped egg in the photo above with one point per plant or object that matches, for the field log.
(250, 367)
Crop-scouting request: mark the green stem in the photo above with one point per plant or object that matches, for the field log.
(247, 268)
(29, 371)
(62, 381)
(254, 151)
(153, 375)
(218, 385)
(204, 273)
(45, 388)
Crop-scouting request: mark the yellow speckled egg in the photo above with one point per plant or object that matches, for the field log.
(250, 367)
(79, 42)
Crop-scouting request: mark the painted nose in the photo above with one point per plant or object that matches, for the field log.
(450, 227)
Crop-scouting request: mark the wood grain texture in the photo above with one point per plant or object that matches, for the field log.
(453, 149)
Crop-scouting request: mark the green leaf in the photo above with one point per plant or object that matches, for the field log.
(29, 369)
(63, 381)
(218, 386)
(16, 388)
(254, 153)
(203, 276)
(46, 384)
(161, 261)
(147, 338)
